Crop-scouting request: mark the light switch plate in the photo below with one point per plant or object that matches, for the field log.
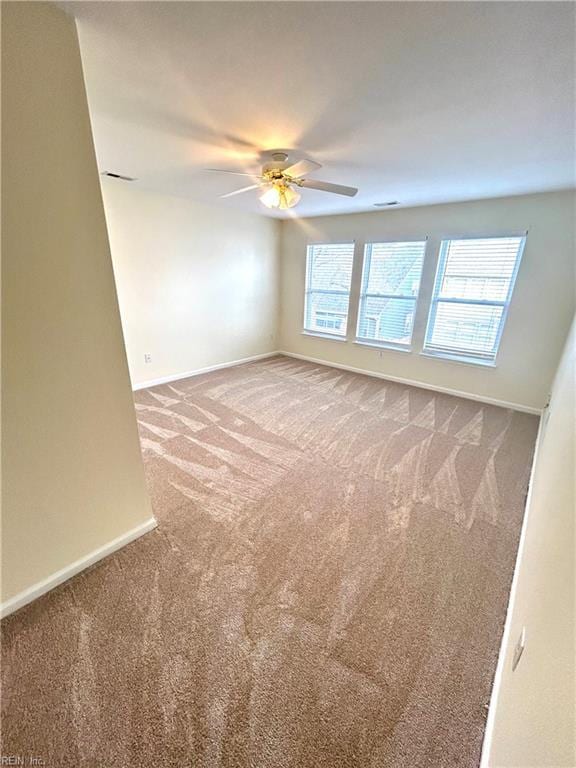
(519, 649)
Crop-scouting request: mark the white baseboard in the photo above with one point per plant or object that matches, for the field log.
(506, 636)
(25, 597)
(414, 383)
(198, 371)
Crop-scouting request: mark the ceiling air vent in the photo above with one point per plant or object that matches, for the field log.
(117, 176)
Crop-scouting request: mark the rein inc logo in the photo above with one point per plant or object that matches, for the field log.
(21, 760)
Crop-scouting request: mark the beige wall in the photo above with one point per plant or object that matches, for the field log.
(533, 718)
(539, 316)
(197, 285)
(72, 473)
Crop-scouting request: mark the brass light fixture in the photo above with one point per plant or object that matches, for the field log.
(280, 195)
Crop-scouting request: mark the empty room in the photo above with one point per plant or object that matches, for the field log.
(288, 384)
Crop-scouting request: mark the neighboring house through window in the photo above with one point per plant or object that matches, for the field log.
(328, 279)
(390, 285)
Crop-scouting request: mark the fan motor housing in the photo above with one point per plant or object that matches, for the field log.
(277, 163)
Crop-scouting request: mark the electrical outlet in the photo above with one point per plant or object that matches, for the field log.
(519, 649)
(147, 357)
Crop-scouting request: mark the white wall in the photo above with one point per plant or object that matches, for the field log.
(73, 479)
(197, 285)
(533, 713)
(539, 316)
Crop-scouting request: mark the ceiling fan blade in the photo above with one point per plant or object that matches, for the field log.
(239, 191)
(302, 168)
(234, 173)
(325, 186)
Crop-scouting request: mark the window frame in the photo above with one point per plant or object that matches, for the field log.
(330, 292)
(391, 345)
(435, 299)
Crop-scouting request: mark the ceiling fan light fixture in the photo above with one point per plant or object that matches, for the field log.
(280, 182)
(271, 198)
(280, 196)
(289, 198)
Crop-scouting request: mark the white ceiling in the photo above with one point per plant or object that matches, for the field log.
(416, 102)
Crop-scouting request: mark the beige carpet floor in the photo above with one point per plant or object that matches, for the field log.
(326, 588)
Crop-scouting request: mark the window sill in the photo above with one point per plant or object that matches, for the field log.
(462, 360)
(387, 347)
(325, 336)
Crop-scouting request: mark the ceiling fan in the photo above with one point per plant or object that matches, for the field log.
(279, 179)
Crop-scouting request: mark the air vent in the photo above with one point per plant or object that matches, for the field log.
(385, 205)
(117, 176)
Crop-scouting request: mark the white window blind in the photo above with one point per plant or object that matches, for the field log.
(390, 285)
(473, 288)
(328, 277)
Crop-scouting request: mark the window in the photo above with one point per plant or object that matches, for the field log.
(328, 277)
(472, 292)
(390, 284)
